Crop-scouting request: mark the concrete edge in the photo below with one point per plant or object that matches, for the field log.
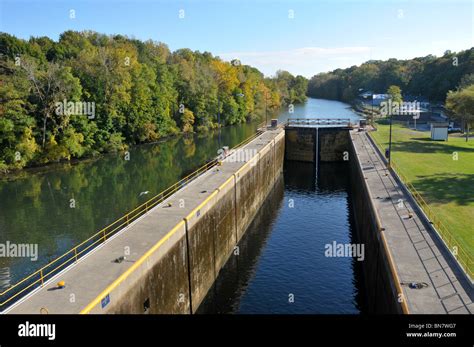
(130, 270)
(393, 272)
(425, 219)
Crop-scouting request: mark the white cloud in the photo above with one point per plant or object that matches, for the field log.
(308, 61)
(305, 61)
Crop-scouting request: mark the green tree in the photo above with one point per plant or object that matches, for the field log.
(139, 91)
(49, 85)
(395, 93)
(429, 76)
(461, 104)
(187, 121)
(17, 142)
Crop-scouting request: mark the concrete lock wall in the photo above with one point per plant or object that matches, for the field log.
(333, 144)
(380, 290)
(300, 144)
(316, 144)
(176, 276)
(250, 247)
(161, 282)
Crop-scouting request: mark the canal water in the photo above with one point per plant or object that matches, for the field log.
(63, 205)
(281, 266)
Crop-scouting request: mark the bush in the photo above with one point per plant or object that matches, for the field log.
(115, 143)
(3, 167)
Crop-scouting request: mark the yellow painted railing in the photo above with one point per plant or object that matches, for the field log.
(37, 278)
(462, 256)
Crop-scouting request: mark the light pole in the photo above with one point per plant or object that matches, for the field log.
(266, 120)
(390, 143)
(218, 121)
(372, 118)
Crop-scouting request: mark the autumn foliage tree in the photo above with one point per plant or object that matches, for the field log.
(141, 91)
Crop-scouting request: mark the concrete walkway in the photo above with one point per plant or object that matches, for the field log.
(418, 253)
(96, 271)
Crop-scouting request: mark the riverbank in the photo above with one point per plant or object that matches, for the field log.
(13, 174)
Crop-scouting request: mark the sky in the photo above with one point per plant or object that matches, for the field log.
(302, 37)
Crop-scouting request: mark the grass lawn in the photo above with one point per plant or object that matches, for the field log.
(446, 184)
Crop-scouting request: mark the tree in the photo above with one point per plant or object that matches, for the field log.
(187, 121)
(395, 93)
(461, 104)
(466, 81)
(49, 85)
(17, 142)
(427, 76)
(140, 91)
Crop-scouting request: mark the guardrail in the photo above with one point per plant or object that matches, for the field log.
(319, 121)
(463, 257)
(39, 277)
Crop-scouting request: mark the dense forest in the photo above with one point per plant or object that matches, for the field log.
(429, 76)
(90, 93)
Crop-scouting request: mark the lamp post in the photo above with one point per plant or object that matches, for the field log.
(218, 120)
(372, 118)
(390, 143)
(266, 120)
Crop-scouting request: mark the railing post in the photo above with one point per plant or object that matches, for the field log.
(75, 253)
(42, 279)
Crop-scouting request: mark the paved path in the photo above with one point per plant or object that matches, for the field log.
(418, 253)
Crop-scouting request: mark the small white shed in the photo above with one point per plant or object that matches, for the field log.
(439, 131)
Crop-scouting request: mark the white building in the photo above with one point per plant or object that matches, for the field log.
(439, 131)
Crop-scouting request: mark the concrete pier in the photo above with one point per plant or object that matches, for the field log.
(402, 246)
(176, 250)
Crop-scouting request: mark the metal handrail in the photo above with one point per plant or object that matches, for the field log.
(32, 281)
(461, 255)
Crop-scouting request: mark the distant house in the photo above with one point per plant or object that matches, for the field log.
(366, 95)
(377, 99)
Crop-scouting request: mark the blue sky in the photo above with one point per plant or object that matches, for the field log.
(303, 37)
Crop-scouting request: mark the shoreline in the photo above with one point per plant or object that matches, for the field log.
(16, 174)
